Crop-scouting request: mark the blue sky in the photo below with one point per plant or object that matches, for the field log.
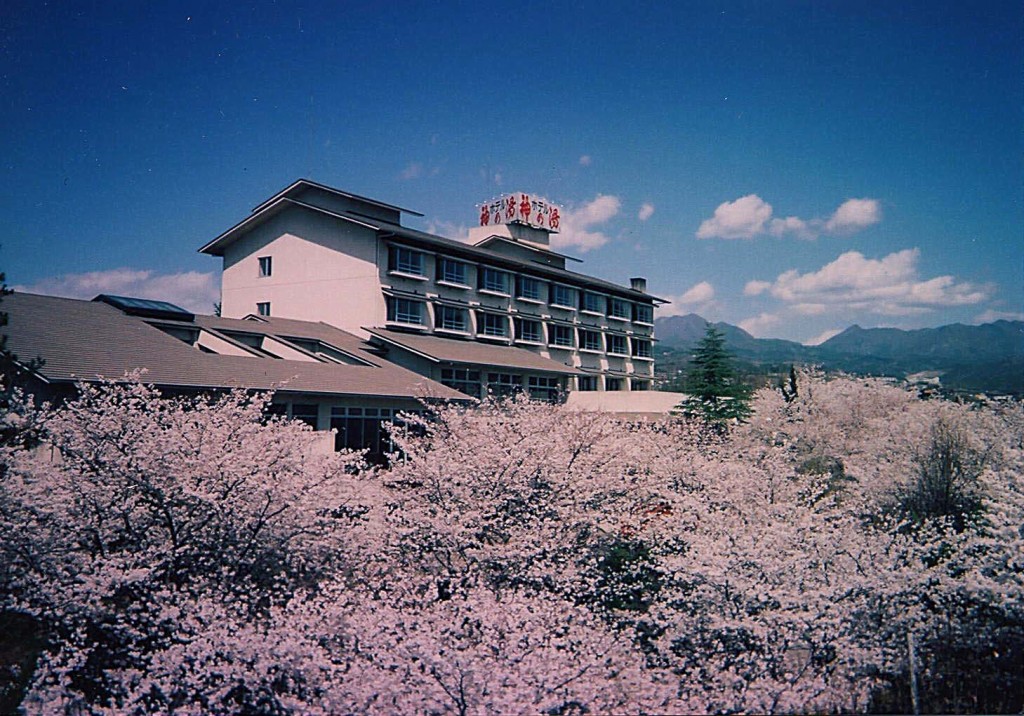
(789, 167)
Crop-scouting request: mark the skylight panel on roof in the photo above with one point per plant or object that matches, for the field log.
(145, 307)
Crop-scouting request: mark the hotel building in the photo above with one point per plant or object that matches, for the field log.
(496, 314)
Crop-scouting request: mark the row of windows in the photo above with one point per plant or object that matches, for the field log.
(355, 428)
(590, 383)
(455, 273)
(407, 261)
(500, 384)
(411, 312)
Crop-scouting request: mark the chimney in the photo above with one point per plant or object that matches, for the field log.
(638, 284)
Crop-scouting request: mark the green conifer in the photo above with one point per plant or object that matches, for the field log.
(713, 389)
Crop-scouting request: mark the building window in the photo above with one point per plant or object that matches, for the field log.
(493, 280)
(529, 331)
(617, 344)
(492, 324)
(305, 413)
(641, 348)
(636, 384)
(587, 382)
(560, 336)
(402, 310)
(362, 429)
(266, 265)
(617, 308)
(403, 260)
(501, 384)
(541, 388)
(563, 296)
(451, 271)
(613, 384)
(462, 379)
(275, 410)
(263, 309)
(593, 303)
(528, 288)
(643, 313)
(590, 340)
(450, 318)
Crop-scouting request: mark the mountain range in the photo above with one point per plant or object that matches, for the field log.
(989, 357)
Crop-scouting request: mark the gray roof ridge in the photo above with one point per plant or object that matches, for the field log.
(526, 245)
(302, 181)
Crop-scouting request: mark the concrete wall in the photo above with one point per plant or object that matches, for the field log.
(323, 270)
(649, 402)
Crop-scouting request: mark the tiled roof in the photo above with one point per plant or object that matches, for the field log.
(86, 340)
(453, 350)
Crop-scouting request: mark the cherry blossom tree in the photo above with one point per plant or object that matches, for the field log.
(516, 557)
(140, 504)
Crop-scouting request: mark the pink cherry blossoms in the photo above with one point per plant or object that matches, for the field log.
(187, 555)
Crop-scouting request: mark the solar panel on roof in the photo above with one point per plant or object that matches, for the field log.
(146, 307)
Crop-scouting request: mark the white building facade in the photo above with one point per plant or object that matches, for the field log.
(498, 314)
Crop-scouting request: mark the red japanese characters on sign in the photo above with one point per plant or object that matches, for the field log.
(521, 208)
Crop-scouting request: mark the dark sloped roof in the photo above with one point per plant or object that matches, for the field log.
(495, 239)
(423, 239)
(452, 350)
(86, 340)
(299, 184)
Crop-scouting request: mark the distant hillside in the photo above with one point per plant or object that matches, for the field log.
(684, 332)
(954, 343)
(988, 358)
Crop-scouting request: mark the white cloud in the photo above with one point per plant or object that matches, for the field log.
(792, 225)
(577, 225)
(646, 211)
(414, 170)
(191, 290)
(699, 293)
(751, 216)
(585, 160)
(756, 288)
(888, 286)
(993, 315)
(598, 211)
(823, 336)
(854, 215)
(698, 297)
(756, 325)
(744, 218)
(449, 230)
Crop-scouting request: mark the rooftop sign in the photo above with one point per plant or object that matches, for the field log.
(520, 208)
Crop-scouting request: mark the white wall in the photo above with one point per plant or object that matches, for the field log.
(323, 270)
(646, 401)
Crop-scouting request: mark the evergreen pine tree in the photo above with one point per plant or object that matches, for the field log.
(714, 392)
